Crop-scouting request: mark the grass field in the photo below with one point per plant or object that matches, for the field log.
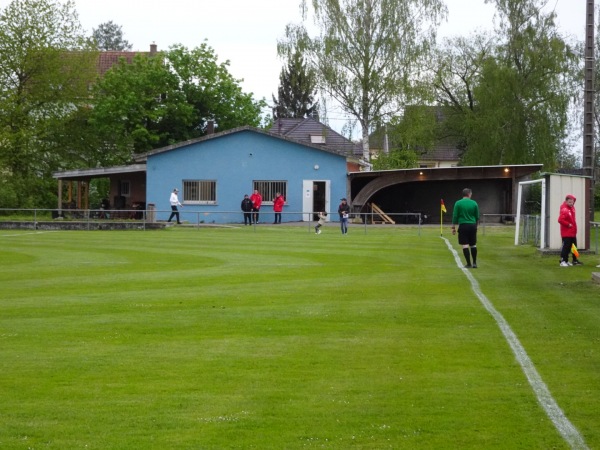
(276, 338)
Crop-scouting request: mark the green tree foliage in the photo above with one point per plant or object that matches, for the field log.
(523, 94)
(366, 52)
(46, 66)
(138, 107)
(408, 136)
(297, 90)
(158, 101)
(456, 68)
(212, 91)
(396, 159)
(508, 102)
(416, 129)
(109, 36)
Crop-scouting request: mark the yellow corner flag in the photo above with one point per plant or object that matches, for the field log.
(575, 251)
(443, 208)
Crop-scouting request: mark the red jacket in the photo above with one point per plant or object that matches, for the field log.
(256, 200)
(566, 219)
(278, 203)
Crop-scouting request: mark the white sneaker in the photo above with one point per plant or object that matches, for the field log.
(564, 264)
(318, 231)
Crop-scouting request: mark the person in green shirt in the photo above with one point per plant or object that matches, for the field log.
(466, 215)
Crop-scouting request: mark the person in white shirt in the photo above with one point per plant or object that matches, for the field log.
(174, 200)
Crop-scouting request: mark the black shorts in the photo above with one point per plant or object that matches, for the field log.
(467, 234)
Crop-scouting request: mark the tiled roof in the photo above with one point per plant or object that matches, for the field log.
(108, 59)
(302, 130)
(441, 153)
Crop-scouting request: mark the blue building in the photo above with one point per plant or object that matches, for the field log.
(214, 172)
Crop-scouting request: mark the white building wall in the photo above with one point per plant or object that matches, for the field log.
(558, 186)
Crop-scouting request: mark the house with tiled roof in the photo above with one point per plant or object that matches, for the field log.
(442, 153)
(107, 59)
(310, 131)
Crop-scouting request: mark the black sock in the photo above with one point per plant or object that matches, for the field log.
(467, 255)
(474, 254)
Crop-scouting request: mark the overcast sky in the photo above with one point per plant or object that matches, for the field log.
(245, 32)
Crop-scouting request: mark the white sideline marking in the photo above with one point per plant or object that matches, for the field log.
(556, 415)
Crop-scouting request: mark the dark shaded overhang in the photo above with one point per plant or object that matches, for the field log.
(101, 172)
(380, 179)
(452, 173)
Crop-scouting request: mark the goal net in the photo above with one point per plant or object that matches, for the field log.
(531, 210)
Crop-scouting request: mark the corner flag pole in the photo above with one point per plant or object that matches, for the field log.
(442, 211)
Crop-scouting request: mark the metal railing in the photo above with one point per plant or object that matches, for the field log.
(508, 219)
(142, 218)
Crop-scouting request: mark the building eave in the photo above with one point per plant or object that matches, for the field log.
(100, 172)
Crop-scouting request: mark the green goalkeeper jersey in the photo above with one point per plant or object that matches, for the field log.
(465, 211)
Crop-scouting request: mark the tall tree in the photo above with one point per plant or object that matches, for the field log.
(506, 96)
(139, 106)
(524, 91)
(46, 66)
(109, 36)
(366, 52)
(212, 91)
(297, 90)
(157, 101)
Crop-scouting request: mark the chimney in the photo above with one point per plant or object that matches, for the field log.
(210, 127)
(153, 49)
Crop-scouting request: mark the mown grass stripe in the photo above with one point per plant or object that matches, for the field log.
(564, 426)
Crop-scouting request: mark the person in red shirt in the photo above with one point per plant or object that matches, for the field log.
(568, 231)
(278, 203)
(256, 199)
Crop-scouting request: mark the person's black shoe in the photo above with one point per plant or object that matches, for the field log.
(577, 263)
(468, 266)
(474, 266)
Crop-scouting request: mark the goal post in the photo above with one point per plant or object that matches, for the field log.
(543, 212)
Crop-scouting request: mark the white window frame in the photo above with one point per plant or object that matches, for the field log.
(268, 189)
(199, 192)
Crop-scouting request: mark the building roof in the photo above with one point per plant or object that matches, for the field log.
(311, 131)
(99, 172)
(107, 59)
(142, 157)
(456, 173)
(441, 152)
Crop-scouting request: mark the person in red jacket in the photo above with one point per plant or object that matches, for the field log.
(278, 203)
(568, 231)
(256, 202)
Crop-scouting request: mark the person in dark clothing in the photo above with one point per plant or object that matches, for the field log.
(344, 212)
(247, 209)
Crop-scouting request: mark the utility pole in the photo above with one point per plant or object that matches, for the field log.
(588, 118)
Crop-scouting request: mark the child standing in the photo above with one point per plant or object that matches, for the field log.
(322, 217)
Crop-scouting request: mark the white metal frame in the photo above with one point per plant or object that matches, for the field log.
(543, 217)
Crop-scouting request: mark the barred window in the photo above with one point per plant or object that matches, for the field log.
(125, 188)
(201, 192)
(268, 189)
